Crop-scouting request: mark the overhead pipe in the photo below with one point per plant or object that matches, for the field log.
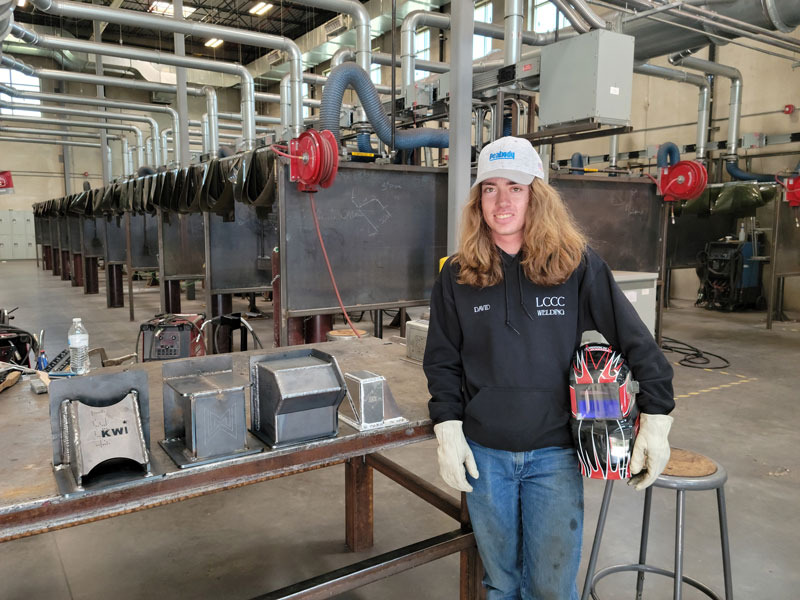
(212, 117)
(656, 38)
(6, 138)
(61, 58)
(420, 18)
(734, 114)
(385, 59)
(591, 17)
(61, 132)
(87, 113)
(704, 96)
(735, 104)
(350, 75)
(6, 17)
(513, 31)
(572, 16)
(67, 99)
(134, 18)
(248, 85)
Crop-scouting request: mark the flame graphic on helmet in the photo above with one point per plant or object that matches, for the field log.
(590, 456)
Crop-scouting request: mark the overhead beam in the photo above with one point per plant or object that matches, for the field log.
(114, 4)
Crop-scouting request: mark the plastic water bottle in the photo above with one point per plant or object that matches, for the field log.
(742, 233)
(78, 347)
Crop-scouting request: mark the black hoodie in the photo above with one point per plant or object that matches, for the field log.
(497, 358)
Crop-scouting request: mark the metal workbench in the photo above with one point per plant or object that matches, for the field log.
(30, 503)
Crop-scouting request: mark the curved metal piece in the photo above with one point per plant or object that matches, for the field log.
(212, 118)
(572, 16)
(775, 17)
(591, 17)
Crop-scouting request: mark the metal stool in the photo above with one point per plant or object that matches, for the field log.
(686, 471)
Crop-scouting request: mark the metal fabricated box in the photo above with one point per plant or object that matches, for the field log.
(640, 289)
(416, 339)
(295, 396)
(587, 78)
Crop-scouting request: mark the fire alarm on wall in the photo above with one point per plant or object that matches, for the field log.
(788, 109)
(86, 173)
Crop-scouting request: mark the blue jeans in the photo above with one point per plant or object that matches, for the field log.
(526, 510)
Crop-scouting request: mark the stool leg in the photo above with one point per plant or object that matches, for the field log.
(648, 499)
(679, 514)
(598, 535)
(723, 533)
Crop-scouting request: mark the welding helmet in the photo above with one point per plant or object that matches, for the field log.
(605, 419)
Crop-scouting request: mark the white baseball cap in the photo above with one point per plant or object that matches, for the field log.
(512, 158)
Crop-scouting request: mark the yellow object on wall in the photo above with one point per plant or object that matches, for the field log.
(442, 261)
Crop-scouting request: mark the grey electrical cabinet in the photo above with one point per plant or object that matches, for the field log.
(587, 78)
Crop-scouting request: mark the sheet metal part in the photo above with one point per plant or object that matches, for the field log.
(620, 215)
(96, 418)
(204, 411)
(295, 396)
(377, 221)
(370, 402)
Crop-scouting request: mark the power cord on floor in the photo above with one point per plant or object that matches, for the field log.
(693, 357)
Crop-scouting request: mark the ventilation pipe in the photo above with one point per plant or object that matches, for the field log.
(591, 17)
(134, 18)
(60, 122)
(6, 17)
(703, 113)
(212, 117)
(61, 132)
(734, 114)
(350, 75)
(6, 138)
(248, 86)
(572, 16)
(513, 32)
(668, 155)
(66, 99)
(88, 113)
(419, 18)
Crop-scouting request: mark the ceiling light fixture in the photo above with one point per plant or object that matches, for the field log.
(22, 3)
(160, 7)
(214, 43)
(260, 9)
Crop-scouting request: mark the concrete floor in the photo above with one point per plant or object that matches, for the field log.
(248, 541)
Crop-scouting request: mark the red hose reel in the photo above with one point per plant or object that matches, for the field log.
(684, 180)
(792, 185)
(314, 160)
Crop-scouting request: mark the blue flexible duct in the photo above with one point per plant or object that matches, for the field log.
(576, 160)
(351, 75)
(735, 172)
(506, 126)
(668, 154)
(364, 144)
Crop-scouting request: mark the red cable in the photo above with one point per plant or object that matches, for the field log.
(328, 264)
(279, 153)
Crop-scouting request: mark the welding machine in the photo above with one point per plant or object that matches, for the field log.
(169, 336)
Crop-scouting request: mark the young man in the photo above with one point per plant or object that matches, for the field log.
(507, 314)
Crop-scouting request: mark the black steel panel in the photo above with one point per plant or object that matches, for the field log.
(54, 240)
(144, 241)
(384, 227)
(115, 239)
(689, 235)
(42, 227)
(236, 245)
(93, 235)
(75, 226)
(183, 245)
(621, 216)
(63, 233)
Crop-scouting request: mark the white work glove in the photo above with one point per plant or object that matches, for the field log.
(453, 454)
(650, 450)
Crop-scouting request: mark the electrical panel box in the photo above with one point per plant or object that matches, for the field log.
(587, 78)
(640, 289)
(754, 140)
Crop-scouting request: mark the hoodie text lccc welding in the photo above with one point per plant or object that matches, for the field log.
(497, 358)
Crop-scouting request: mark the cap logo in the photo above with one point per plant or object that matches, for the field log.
(502, 155)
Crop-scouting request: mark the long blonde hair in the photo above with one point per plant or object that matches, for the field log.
(552, 243)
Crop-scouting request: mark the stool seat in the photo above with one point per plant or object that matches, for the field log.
(687, 470)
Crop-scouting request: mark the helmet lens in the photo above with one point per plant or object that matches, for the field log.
(598, 401)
